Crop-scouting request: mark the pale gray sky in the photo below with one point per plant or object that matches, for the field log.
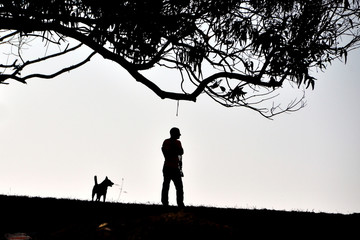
(55, 135)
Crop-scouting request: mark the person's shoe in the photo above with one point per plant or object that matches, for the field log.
(181, 206)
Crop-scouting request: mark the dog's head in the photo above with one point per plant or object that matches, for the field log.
(108, 182)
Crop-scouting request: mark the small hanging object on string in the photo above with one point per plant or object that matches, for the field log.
(121, 189)
(177, 108)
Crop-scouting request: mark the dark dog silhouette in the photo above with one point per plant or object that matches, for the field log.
(101, 189)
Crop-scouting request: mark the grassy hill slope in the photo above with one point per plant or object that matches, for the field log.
(49, 218)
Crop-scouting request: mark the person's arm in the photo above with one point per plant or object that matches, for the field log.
(180, 149)
(165, 149)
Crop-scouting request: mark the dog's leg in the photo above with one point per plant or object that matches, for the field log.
(94, 191)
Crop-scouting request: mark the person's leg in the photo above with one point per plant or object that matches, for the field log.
(165, 188)
(179, 191)
(165, 191)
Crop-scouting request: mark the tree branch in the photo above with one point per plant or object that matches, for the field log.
(4, 77)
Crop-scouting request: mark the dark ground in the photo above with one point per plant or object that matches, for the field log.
(49, 218)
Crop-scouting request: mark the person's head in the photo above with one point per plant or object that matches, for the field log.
(175, 133)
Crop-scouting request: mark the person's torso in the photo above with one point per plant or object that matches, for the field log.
(172, 149)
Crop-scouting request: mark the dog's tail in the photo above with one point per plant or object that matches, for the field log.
(95, 178)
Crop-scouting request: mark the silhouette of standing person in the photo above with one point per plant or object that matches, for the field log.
(172, 170)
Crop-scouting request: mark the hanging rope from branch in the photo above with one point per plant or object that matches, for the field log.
(177, 108)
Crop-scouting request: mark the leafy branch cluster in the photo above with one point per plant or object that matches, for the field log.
(238, 52)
